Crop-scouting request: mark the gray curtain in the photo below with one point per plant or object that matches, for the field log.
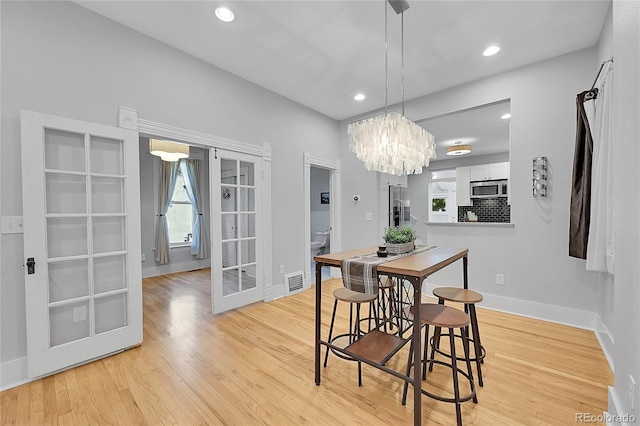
(191, 173)
(580, 210)
(168, 175)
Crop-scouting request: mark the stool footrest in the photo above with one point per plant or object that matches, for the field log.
(483, 353)
(443, 398)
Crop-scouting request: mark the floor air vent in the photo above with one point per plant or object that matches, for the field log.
(294, 283)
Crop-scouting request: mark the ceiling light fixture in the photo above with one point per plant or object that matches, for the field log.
(506, 116)
(459, 149)
(359, 97)
(491, 50)
(224, 14)
(390, 142)
(167, 150)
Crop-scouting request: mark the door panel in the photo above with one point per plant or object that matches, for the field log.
(237, 269)
(81, 207)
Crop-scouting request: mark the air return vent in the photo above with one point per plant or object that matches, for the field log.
(294, 283)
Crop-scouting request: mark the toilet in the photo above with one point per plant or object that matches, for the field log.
(319, 243)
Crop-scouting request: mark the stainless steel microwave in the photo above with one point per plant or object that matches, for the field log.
(489, 189)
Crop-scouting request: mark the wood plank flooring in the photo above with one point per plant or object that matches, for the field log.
(255, 366)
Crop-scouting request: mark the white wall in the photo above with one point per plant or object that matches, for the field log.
(59, 58)
(626, 156)
(533, 255)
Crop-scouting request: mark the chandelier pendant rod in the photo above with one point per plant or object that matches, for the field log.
(402, 55)
(386, 61)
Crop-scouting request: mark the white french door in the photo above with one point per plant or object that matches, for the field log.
(81, 207)
(236, 270)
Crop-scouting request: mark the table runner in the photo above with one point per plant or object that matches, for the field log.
(360, 273)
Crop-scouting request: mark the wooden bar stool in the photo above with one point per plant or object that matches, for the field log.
(357, 299)
(444, 317)
(469, 298)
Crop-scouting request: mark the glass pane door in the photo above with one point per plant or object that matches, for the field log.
(86, 235)
(238, 226)
(82, 236)
(238, 282)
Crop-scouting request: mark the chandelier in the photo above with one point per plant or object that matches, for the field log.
(390, 142)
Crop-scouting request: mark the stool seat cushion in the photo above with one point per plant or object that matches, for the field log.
(455, 294)
(351, 296)
(442, 316)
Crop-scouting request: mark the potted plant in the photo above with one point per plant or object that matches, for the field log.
(399, 239)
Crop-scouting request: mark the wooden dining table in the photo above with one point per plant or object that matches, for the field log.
(377, 347)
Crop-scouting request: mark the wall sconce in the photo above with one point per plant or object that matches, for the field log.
(540, 174)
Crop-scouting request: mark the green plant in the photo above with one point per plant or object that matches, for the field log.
(399, 235)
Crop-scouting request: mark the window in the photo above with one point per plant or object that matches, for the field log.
(442, 196)
(180, 216)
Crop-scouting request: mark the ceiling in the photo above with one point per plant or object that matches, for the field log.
(481, 127)
(321, 53)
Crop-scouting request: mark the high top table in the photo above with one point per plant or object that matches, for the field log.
(376, 347)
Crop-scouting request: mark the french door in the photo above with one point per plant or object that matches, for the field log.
(237, 270)
(81, 207)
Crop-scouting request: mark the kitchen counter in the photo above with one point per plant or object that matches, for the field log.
(481, 224)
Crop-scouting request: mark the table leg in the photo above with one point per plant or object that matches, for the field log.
(465, 274)
(318, 319)
(417, 352)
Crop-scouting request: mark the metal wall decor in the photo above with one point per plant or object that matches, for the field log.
(540, 176)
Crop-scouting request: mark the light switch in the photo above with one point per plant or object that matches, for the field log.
(12, 225)
(368, 216)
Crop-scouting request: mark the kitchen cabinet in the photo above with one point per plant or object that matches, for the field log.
(463, 190)
(493, 171)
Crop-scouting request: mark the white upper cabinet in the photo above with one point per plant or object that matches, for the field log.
(463, 191)
(493, 171)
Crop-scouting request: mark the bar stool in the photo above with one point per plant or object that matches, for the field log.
(357, 299)
(441, 316)
(469, 298)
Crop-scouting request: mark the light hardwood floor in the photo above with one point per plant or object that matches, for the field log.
(255, 366)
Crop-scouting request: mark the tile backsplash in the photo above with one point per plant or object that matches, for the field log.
(487, 210)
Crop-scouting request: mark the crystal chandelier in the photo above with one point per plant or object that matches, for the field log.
(390, 142)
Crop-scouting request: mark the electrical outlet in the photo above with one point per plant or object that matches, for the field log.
(143, 257)
(79, 313)
(500, 279)
(282, 269)
(632, 391)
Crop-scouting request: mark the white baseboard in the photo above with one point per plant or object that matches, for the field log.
(615, 415)
(277, 291)
(558, 314)
(13, 373)
(606, 341)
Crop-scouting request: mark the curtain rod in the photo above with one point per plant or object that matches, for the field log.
(599, 71)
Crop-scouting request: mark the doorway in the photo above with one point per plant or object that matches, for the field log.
(253, 251)
(322, 202)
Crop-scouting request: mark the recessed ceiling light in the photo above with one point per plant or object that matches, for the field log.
(491, 50)
(506, 116)
(224, 14)
(359, 97)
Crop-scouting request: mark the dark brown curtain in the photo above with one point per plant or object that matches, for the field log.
(580, 213)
